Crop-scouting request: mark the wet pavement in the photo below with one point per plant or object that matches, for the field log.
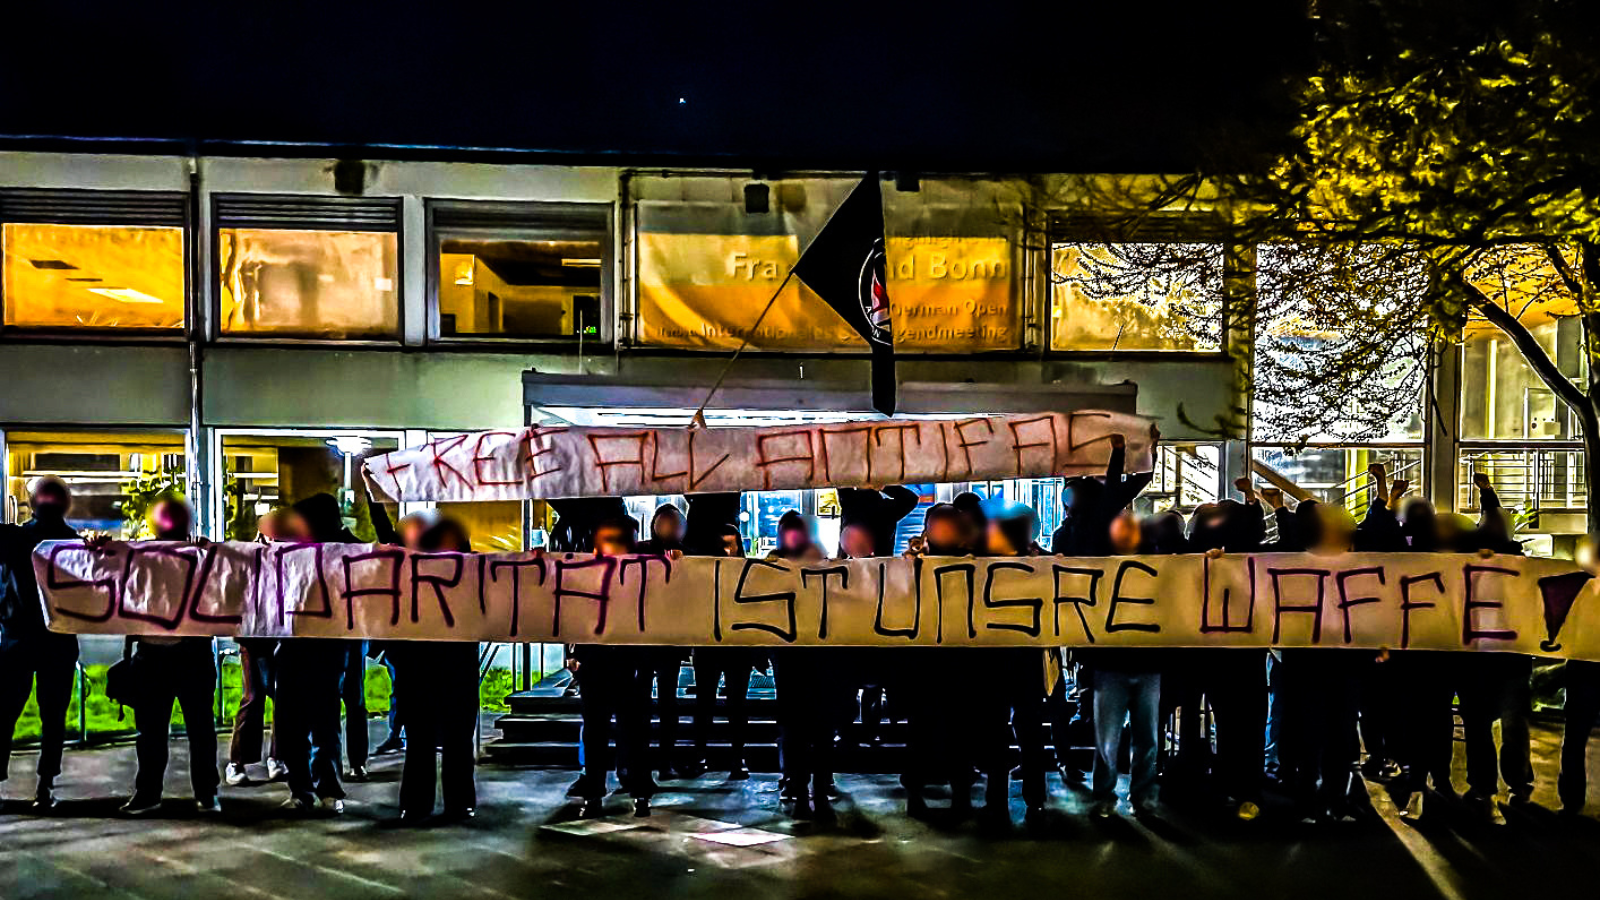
(711, 838)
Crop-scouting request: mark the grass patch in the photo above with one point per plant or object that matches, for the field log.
(106, 718)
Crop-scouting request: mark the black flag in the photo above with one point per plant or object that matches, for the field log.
(845, 265)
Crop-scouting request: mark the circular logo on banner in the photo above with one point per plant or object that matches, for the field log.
(873, 293)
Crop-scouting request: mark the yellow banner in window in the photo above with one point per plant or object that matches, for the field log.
(705, 291)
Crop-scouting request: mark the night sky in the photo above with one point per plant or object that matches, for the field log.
(983, 86)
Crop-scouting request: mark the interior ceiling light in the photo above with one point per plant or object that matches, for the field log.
(51, 264)
(126, 295)
(581, 263)
(349, 444)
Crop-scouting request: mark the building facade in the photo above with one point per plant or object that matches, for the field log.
(245, 330)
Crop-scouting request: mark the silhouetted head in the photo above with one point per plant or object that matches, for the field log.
(49, 498)
(794, 532)
(855, 541)
(667, 526)
(971, 506)
(946, 531)
(1337, 529)
(281, 525)
(1417, 521)
(1081, 494)
(732, 541)
(324, 521)
(171, 519)
(1012, 528)
(1125, 534)
(615, 536)
(446, 535)
(1163, 533)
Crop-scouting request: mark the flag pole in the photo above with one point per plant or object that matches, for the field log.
(700, 413)
(699, 418)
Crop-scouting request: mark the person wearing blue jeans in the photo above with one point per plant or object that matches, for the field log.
(1126, 692)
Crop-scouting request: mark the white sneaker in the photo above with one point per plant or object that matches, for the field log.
(331, 805)
(276, 771)
(235, 775)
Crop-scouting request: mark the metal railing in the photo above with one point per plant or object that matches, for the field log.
(1526, 478)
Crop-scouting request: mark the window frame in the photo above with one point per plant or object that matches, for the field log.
(1161, 228)
(310, 202)
(9, 430)
(518, 220)
(96, 208)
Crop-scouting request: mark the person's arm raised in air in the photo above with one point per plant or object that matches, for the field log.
(1252, 524)
(901, 500)
(376, 497)
(1488, 500)
(1379, 529)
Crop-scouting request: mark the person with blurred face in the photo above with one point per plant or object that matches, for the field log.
(611, 688)
(30, 652)
(281, 525)
(1321, 699)
(1126, 534)
(661, 667)
(1012, 703)
(731, 667)
(1127, 693)
(440, 690)
(172, 669)
(940, 750)
(794, 535)
(855, 542)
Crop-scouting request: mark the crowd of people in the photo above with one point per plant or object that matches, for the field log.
(1214, 726)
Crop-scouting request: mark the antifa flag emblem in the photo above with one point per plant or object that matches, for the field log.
(875, 294)
(845, 265)
(1559, 592)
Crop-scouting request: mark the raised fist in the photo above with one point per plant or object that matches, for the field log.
(1118, 441)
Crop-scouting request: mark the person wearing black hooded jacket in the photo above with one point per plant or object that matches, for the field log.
(28, 650)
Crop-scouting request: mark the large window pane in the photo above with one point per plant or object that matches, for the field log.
(1341, 350)
(1135, 296)
(509, 288)
(92, 276)
(261, 472)
(311, 284)
(114, 477)
(709, 262)
(1501, 396)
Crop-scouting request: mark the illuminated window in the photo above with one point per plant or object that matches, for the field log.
(114, 477)
(1135, 296)
(263, 471)
(1501, 396)
(308, 267)
(492, 526)
(709, 263)
(92, 260)
(520, 270)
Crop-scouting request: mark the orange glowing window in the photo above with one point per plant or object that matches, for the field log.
(311, 284)
(92, 276)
